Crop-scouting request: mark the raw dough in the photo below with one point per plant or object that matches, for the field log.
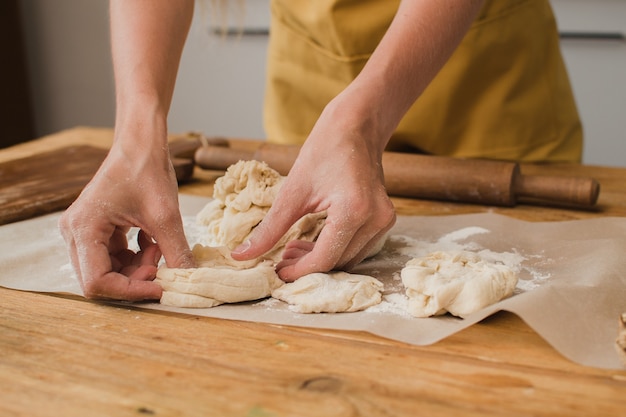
(241, 199)
(334, 292)
(218, 279)
(460, 283)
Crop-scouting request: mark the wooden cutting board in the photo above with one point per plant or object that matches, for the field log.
(46, 182)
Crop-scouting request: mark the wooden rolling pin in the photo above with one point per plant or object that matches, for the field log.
(435, 177)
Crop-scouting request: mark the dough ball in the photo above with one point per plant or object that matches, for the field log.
(333, 292)
(241, 199)
(460, 283)
(248, 183)
(177, 299)
(218, 279)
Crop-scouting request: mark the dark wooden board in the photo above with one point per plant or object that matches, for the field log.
(46, 182)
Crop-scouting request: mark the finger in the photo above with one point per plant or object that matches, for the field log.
(149, 253)
(100, 281)
(349, 262)
(293, 252)
(144, 240)
(127, 261)
(116, 286)
(121, 259)
(68, 237)
(274, 225)
(93, 261)
(326, 253)
(297, 249)
(118, 248)
(365, 239)
(284, 264)
(344, 242)
(172, 243)
(140, 272)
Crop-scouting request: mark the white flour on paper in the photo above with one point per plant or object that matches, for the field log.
(454, 242)
(394, 299)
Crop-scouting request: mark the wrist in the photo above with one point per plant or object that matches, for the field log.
(359, 114)
(142, 122)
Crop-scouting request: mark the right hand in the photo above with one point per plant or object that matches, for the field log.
(338, 170)
(134, 188)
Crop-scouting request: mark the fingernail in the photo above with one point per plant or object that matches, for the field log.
(243, 247)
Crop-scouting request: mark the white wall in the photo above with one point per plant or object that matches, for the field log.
(596, 61)
(221, 80)
(219, 88)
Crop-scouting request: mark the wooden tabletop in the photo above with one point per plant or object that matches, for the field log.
(64, 356)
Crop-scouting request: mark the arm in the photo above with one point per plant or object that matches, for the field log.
(339, 168)
(136, 185)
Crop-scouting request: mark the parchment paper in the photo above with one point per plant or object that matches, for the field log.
(572, 285)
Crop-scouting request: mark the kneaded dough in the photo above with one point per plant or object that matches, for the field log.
(460, 283)
(218, 279)
(333, 292)
(241, 199)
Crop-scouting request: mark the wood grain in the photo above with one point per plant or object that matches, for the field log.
(96, 359)
(46, 182)
(65, 356)
(49, 181)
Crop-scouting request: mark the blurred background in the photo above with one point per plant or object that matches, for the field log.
(57, 74)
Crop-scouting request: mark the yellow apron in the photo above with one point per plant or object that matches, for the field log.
(504, 93)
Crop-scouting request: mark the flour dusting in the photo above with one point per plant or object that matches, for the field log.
(529, 277)
(449, 242)
(392, 303)
(398, 249)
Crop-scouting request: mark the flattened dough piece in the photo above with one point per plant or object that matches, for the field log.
(460, 283)
(333, 292)
(219, 279)
(177, 299)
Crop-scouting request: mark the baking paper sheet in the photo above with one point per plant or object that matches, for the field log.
(572, 285)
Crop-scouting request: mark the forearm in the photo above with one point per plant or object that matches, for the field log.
(422, 36)
(147, 38)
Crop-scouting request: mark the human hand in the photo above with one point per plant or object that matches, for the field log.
(131, 189)
(338, 172)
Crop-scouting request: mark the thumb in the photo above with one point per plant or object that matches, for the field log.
(263, 238)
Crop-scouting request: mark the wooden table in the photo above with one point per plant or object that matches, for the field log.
(63, 356)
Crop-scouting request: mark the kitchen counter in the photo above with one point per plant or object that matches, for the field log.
(64, 356)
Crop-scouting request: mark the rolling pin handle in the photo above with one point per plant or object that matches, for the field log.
(433, 177)
(568, 191)
(219, 158)
(279, 157)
